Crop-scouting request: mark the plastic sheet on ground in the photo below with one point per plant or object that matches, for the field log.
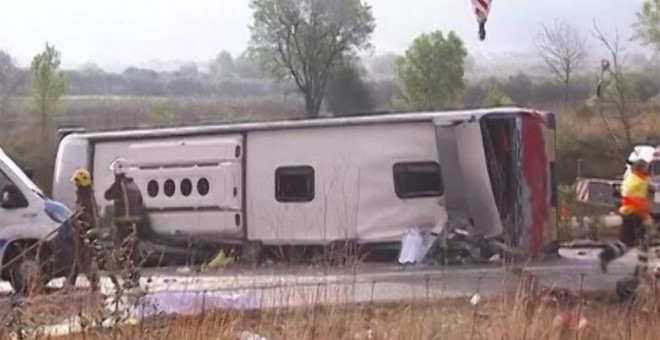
(194, 302)
(415, 245)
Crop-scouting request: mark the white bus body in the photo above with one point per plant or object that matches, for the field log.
(312, 182)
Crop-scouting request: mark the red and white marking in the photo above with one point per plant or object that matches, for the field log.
(582, 190)
(481, 9)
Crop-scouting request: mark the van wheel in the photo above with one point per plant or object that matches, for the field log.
(25, 272)
(626, 287)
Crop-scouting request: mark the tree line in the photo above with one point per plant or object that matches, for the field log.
(310, 48)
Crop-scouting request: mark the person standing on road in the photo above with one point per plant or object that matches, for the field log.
(84, 260)
(127, 215)
(635, 213)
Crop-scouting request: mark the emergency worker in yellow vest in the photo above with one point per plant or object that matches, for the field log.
(635, 212)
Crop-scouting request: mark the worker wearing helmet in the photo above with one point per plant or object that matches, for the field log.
(127, 214)
(84, 260)
(634, 210)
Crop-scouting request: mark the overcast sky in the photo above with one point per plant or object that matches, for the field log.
(114, 33)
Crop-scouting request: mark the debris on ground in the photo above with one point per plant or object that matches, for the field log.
(415, 245)
(222, 260)
(568, 320)
(475, 299)
(247, 335)
(529, 285)
(364, 335)
(186, 302)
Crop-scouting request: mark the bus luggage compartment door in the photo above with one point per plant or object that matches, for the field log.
(191, 186)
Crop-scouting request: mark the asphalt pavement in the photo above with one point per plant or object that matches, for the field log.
(287, 286)
(185, 291)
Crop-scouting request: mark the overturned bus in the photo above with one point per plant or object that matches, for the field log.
(361, 179)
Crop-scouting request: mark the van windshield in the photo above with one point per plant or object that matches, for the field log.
(21, 176)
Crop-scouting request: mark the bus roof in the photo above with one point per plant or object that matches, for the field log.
(447, 116)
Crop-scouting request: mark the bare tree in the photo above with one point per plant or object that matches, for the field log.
(10, 78)
(563, 51)
(618, 91)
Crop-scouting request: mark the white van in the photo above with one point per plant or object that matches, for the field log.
(29, 226)
(361, 179)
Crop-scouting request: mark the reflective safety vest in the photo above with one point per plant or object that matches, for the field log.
(634, 195)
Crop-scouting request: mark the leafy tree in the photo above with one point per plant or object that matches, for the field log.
(48, 83)
(187, 70)
(91, 69)
(474, 94)
(470, 64)
(496, 97)
(520, 87)
(305, 40)
(430, 75)
(382, 92)
(223, 67)
(248, 67)
(10, 78)
(347, 93)
(644, 86)
(144, 82)
(647, 26)
(382, 65)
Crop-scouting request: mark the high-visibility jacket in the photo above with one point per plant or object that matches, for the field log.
(634, 195)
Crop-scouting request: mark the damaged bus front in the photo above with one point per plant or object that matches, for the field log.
(513, 154)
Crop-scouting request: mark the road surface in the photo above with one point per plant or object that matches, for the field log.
(276, 286)
(273, 286)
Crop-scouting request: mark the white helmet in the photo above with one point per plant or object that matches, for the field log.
(119, 166)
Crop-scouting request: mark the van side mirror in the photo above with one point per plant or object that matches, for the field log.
(11, 198)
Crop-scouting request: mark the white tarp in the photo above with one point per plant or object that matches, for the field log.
(194, 302)
(415, 245)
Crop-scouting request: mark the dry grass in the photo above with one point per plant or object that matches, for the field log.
(446, 319)
(525, 314)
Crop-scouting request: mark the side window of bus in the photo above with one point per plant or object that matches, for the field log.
(418, 179)
(10, 196)
(294, 184)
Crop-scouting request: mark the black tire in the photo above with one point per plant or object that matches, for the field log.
(27, 272)
(626, 287)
